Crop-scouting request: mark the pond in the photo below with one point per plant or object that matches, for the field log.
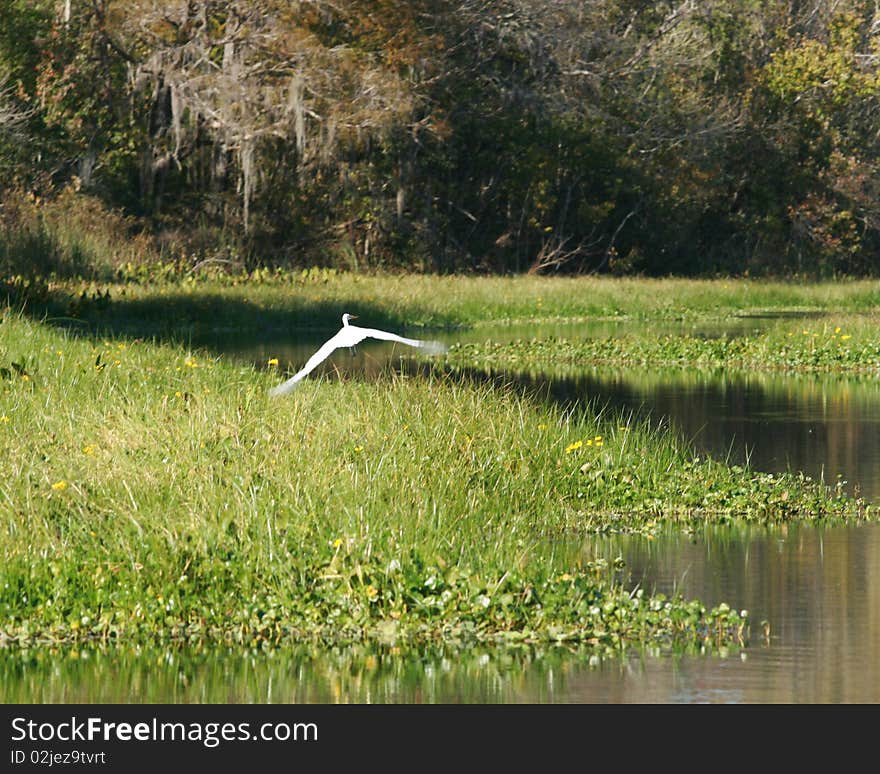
(818, 588)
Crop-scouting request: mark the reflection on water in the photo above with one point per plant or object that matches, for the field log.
(300, 674)
(819, 589)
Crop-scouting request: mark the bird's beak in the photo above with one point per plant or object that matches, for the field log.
(352, 317)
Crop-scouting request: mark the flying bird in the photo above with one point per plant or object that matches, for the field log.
(348, 336)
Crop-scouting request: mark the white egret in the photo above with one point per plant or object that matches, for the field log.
(348, 336)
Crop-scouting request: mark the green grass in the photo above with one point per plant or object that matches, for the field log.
(316, 299)
(839, 343)
(152, 492)
(458, 300)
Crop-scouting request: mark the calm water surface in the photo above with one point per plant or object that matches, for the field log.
(819, 589)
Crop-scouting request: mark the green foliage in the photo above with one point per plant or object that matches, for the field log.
(24, 21)
(164, 497)
(846, 344)
(23, 25)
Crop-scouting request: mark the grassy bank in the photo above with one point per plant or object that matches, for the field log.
(795, 326)
(317, 298)
(152, 492)
(838, 343)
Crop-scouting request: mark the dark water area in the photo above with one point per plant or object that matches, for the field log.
(827, 427)
(816, 590)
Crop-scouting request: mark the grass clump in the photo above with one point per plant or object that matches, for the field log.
(844, 343)
(151, 492)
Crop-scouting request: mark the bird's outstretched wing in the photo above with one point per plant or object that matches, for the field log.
(313, 362)
(431, 347)
(348, 337)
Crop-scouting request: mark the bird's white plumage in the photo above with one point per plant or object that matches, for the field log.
(348, 336)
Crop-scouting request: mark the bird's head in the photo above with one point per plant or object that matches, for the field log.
(346, 317)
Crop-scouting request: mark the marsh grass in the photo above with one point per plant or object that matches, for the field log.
(162, 297)
(150, 491)
(428, 300)
(842, 342)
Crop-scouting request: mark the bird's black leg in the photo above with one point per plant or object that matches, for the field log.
(353, 351)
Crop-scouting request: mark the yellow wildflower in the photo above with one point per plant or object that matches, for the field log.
(59, 486)
(845, 337)
(90, 449)
(5, 419)
(372, 592)
(573, 446)
(337, 542)
(273, 361)
(358, 449)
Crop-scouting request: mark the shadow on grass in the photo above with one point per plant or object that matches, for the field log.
(211, 321)
(574, 395)
(245, 330)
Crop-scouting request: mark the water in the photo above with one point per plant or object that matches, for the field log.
(819, 588)
(825, 426)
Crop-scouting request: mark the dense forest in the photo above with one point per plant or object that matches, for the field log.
(611, 136)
